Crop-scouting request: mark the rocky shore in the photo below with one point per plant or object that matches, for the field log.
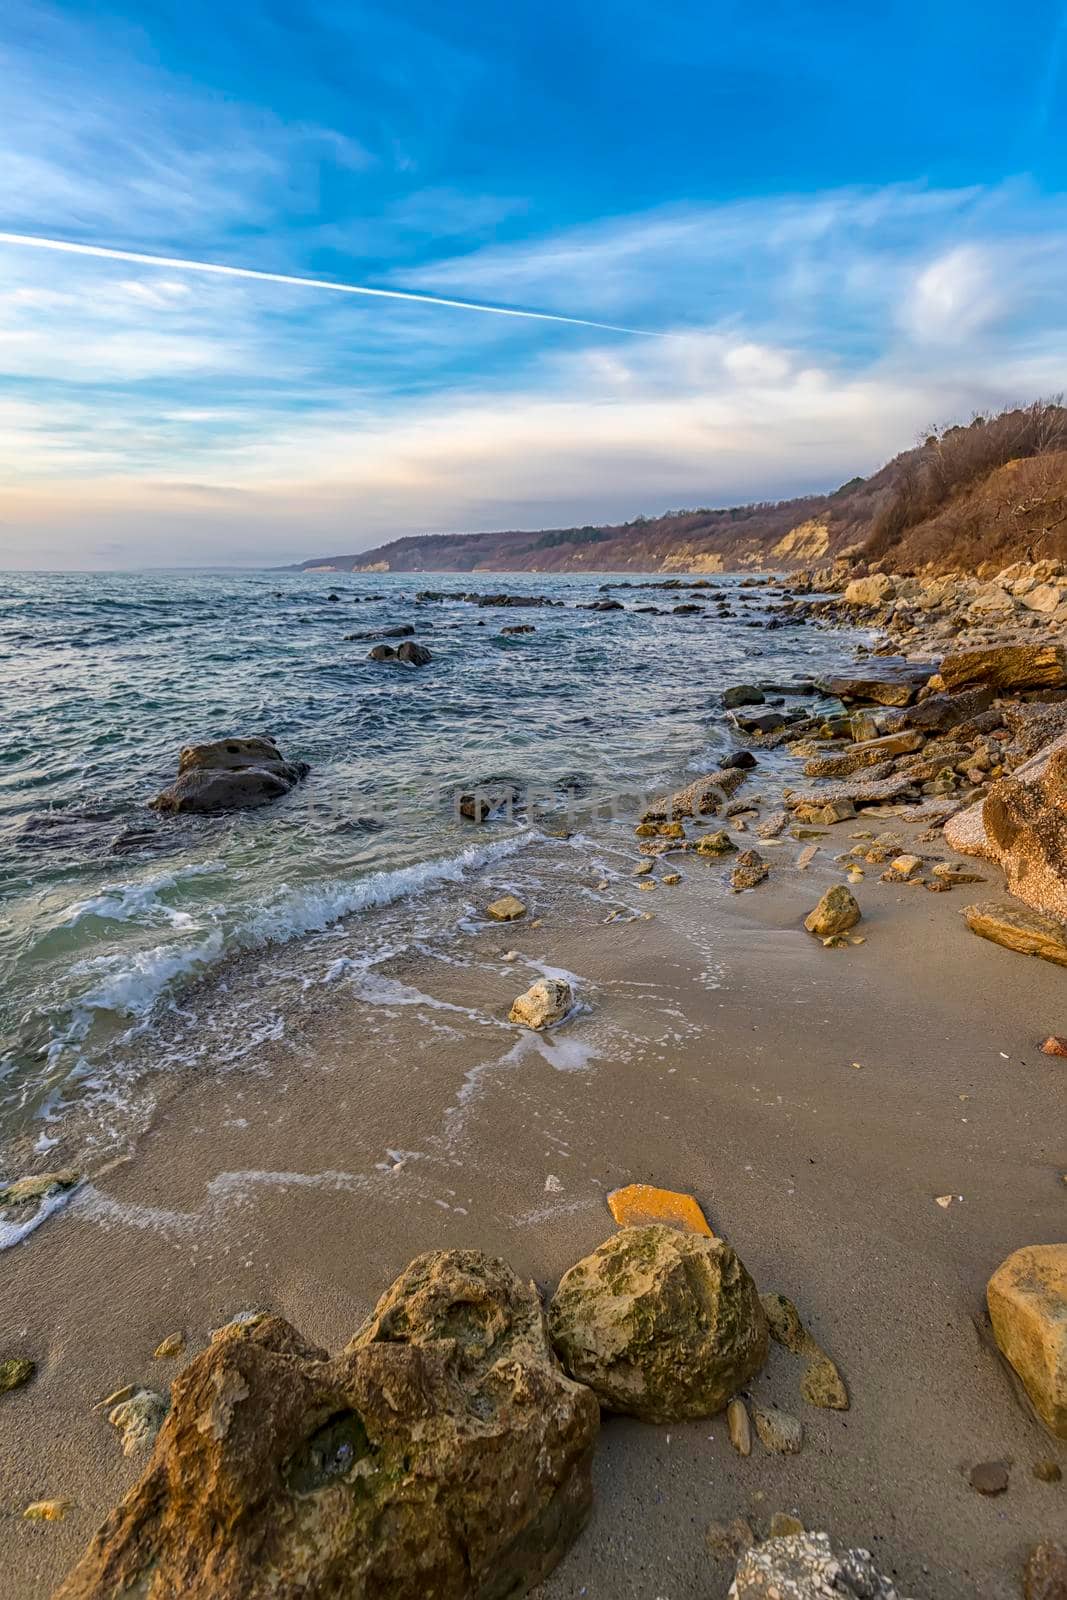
(450, 1448)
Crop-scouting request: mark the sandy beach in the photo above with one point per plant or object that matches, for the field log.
(816, 1102)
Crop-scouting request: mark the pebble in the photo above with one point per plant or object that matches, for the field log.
(671, 878)
(1047, 1471)
(14, 1372)
(989, 1477)
(740, 1429)
(778, 1432)
(1054, 1045)
(46, 1510)
(784, 1526)
(172, 1345)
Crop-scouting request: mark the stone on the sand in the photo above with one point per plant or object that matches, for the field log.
(544, 1002)
(14, 1372)
(1017, 927)
(138, 1419)
(705, 797)
(509, 908)
(441, 1453)
(989, 1477)
(1054, 1045)
(907, 865)
(36, 1188)
(661, 1325)
(1045, 1573)
(1007, 666)
(868, 754)
(877, 590)
(938, 713)
(807, 1566)
(836, 912)
(826, 816)
(778, 1432)
(48, 1511)
(1027, 1300)
(1023, 827)
(739, 1427)
(229, 775)
(727, 1540)
(750, 870)
(783, 1524)
(639, 1204)
(861, 791)
(171, 1346)
(772, 826)
(822, 1384)
(716, 844)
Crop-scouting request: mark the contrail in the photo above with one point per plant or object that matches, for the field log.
(179, 263)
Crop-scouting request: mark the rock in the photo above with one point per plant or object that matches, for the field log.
(716, 844)
(861, 791)
(509, 908)
(727, 1540)
(14, 1372)
(1016, 927)
(171, 1346)
(877, 590)
(643, 868)
(1007, 666)
(868, 754)
(783, 1524)
(989, 1477)
(1047, 1471)
(751, 869)
(739, 760)
(545, 1002)
(739, 1427)
(441, 1453)
(671, 879)
(938, 713)
(660, 1324)
(34, 1190)
(772, 826)
(382, 652)
(520, 627)
(759, 721)
(806, 1566)
(895, 682)
(949, 873)
(778, 1432)
(48, 1511)
(836, 912)
(1055, 1045)
(1044, 598)
(1027, 1300)
(826, 816)
(1045, 1573)
(480, 805)
(705, 797)
(416, 655)
(742, 694)
(138, 1418)
(821, 1384)
(229, 775)
(1023, 827)
(639, 1204)
(906, 866)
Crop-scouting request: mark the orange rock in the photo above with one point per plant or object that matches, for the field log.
(1054, 1045)
(642, 1203)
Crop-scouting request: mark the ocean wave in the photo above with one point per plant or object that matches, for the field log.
(139, 902)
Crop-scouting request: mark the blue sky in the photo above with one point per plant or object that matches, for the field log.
(848, 223)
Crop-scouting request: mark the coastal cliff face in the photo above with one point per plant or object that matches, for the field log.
(992, 490)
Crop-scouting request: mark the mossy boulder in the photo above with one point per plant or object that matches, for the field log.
(443, 1453)
(660, 1324)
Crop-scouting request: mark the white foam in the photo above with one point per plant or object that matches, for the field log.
(141, 901)
(13, 1233)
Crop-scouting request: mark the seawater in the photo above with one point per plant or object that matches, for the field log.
(110, 916)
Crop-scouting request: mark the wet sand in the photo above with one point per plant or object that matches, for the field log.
(717, 1052)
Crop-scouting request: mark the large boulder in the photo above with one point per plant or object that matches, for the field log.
(1007, 666)
(835, 914)
(442, 1453)
(1022, 825)
(660, 1324)
(1027, 1299)
(892, 681)
(229, 775)
(705, 797)
(940, 712)
(877, 590)
(1020, 928)
(808, 1566)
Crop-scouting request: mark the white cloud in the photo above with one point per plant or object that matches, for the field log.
(955, 297)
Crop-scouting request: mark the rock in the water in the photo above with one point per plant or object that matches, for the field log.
(14, 1372)
(772, 826)
(741, 760)
(1017, 927)
(742, 694)
(138, 1418)
(861, 791)
(826, 816)
(229, 775)
(660, 1324)
(750, 870)
(718, 843)
(509, 908)
(442, 1453)
(706, 797)
(382, 652)
(1027, 1299)
(1045, 1573)
(416, 655)
(807, 1566)
(739, 1427)
(1007, 666)
(544, 1002)
(893, 682)
(836, 912)
(778, 1432)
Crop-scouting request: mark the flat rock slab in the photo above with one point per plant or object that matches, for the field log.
(1017, 927)
(893, 682)
(1007, 666)
(641, 1203)
(863, 792)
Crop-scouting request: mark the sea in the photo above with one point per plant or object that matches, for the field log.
(122, 932)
